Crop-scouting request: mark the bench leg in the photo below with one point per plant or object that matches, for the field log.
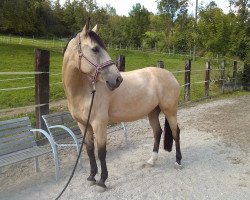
(125, 133)
(37, 164)
(78, 151)
(56, 163)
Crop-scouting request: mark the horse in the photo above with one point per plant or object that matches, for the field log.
(120, 97)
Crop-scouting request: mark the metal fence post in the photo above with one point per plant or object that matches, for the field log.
(187, 80)
(207, 79)
(42, 61)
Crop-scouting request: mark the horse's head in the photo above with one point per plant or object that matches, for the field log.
(94, 59)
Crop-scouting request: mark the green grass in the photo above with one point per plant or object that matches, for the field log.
(20, 58)
(17, 55)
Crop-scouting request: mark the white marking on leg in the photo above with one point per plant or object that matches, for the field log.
(177, 166)
(153, 158)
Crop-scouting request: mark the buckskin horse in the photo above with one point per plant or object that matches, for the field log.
(120, 97)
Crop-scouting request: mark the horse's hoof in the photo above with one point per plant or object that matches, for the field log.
(102, 187)
(151, 162)
(91, 183)
(178, 166)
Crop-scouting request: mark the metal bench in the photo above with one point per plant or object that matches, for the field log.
(65, 131)
(17, 143)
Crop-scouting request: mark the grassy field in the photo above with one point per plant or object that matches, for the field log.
(17, 55)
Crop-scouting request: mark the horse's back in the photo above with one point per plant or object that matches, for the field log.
(158, 79)
(152, 73)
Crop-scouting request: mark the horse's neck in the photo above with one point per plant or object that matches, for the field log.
(76, 84)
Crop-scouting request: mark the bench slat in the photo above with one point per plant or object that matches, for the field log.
(25, 134)
(17, 145)
(58, 114)
(14, 125)
(22, 155)
(12, 121)
(62, 118)
(15, 135)
(13, 132)
(62, 121)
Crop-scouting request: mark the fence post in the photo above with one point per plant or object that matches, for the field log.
(234, 73)
(160, 64)
(187, 80)
(207, 78)
(121, 63)
(42, 61)
(223, 68)
(246, 76)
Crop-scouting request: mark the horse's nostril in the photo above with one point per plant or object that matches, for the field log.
(119, 80)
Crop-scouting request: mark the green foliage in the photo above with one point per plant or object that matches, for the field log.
(246, 73)
(138, 24)
(153, 39)
(214, 31)
(173, 29)
(172, 7)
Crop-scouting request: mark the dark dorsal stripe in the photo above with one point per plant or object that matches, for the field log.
(92, 35)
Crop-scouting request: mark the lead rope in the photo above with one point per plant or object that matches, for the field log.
(84, 135)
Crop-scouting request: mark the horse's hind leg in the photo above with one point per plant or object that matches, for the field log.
(171, 121)
(155, 124)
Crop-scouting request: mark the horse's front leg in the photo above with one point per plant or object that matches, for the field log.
(90, 147)
(100, 130)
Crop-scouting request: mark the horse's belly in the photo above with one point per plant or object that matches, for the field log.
(131, 112)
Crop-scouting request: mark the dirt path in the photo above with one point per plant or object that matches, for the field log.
(215, 143)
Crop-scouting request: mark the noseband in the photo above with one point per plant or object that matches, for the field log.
(98, 68)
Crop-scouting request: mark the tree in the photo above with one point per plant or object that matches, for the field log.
(17, 17)
(69, 18)
(214, 30)
(90, 5)
(111, 11)
(138, 23)
(59, 28)
(242, 31)
(170, 9)
(184, 34)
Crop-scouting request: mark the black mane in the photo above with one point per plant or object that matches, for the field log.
(92, 35)
(97, 39)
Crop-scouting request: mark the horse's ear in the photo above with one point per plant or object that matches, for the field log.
(85, 29)
(95, 28)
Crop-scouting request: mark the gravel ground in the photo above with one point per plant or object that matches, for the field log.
(215, 144)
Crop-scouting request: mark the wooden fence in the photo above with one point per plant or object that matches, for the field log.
(42, 85)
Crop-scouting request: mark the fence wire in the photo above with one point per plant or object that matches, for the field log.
(59, 83)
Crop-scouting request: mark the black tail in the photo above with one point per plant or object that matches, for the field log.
(168, 137)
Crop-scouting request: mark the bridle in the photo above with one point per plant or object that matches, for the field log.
(98, 68)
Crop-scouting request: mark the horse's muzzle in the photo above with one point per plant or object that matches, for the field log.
(113, 85)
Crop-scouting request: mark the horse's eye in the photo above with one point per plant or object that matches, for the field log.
(95, 49)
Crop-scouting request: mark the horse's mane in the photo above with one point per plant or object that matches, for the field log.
(92, 35)
(97, 39)
(65, 48)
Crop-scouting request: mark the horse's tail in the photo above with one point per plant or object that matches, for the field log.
(168, 137)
